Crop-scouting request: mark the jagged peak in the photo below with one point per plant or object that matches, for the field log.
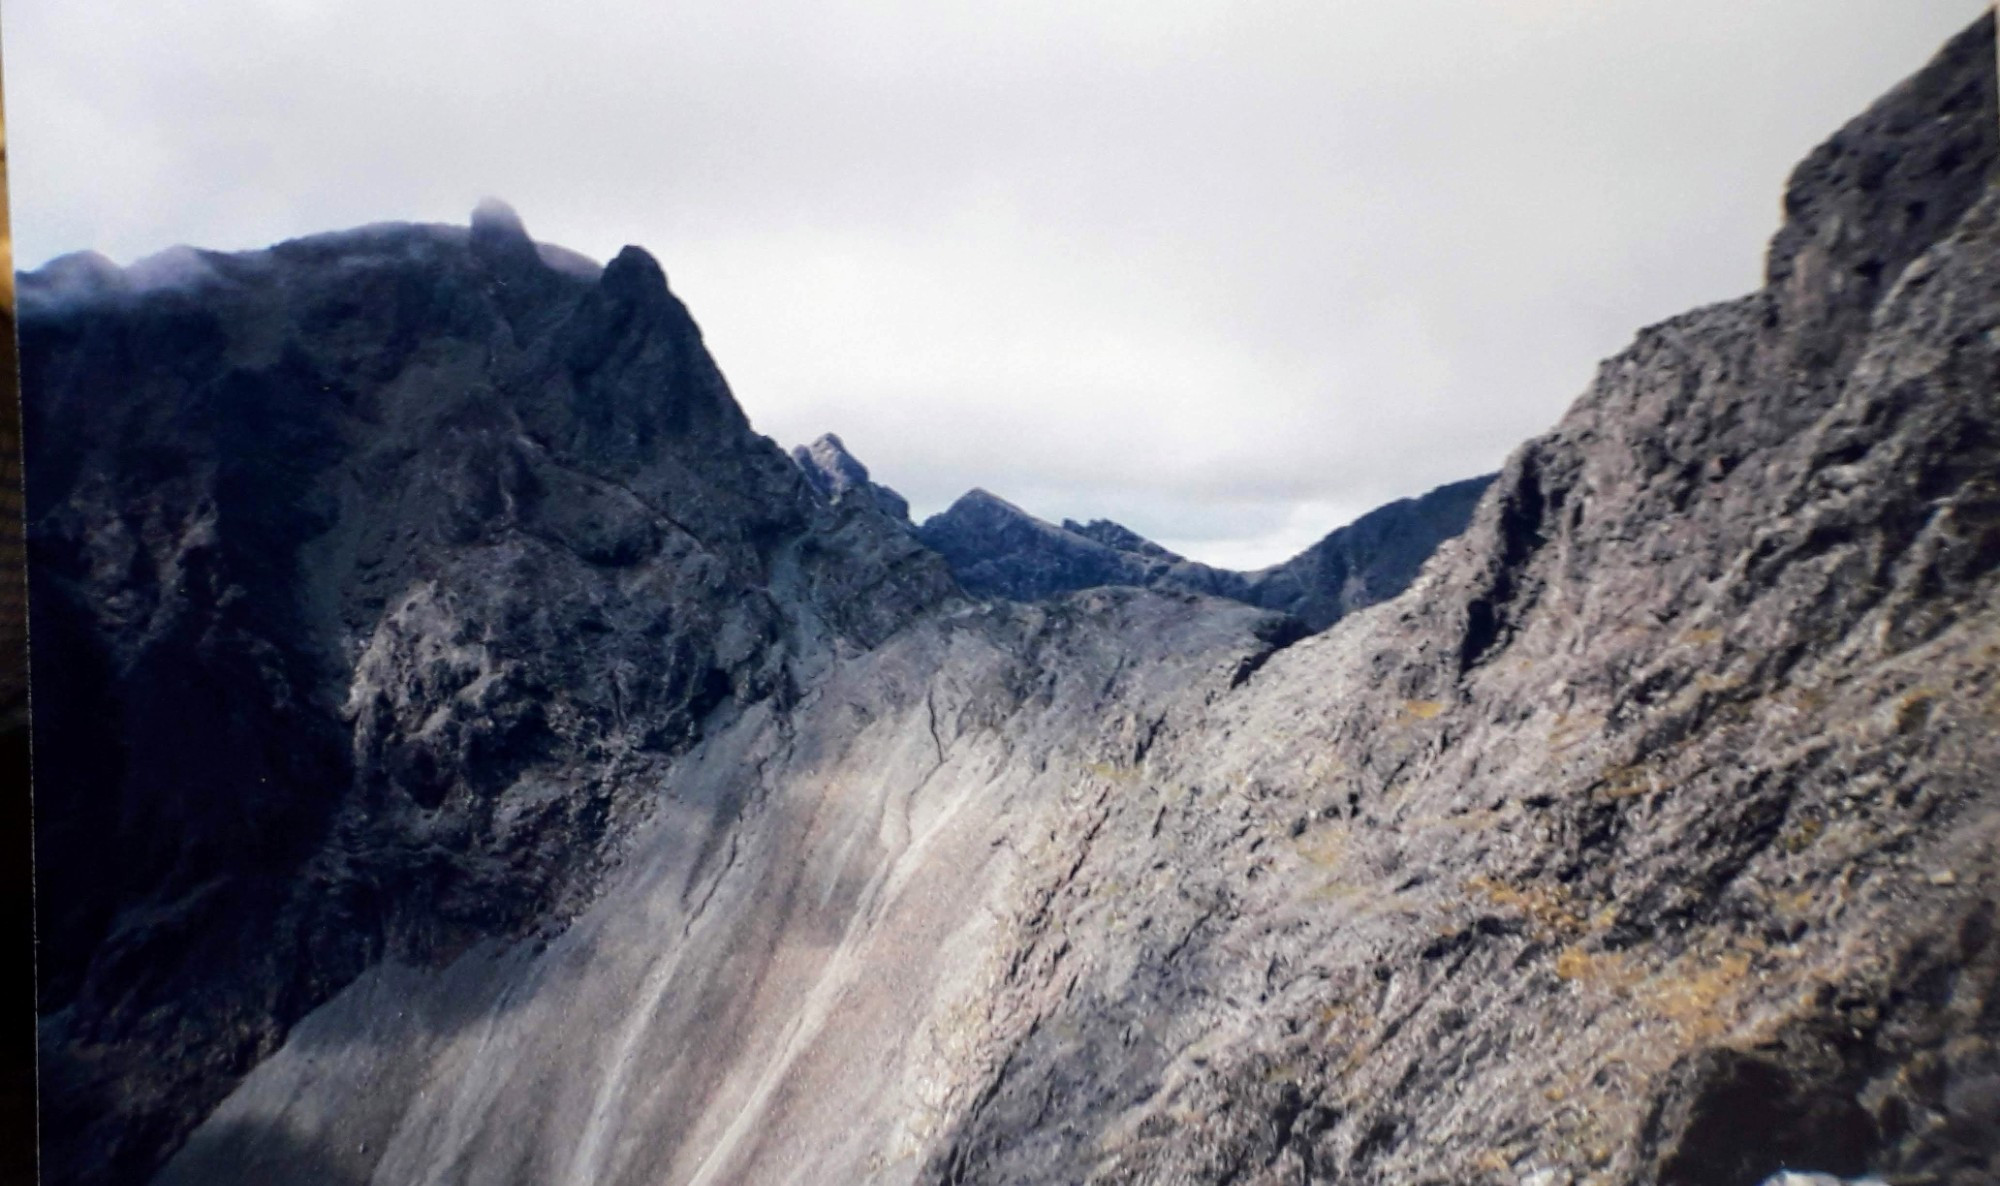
(831, 470)
(633, 274)
(495, 217)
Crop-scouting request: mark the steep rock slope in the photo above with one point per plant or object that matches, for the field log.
(371, 574)
(1649, 838)
(788, 979)
(834, 472)
(1652, 836)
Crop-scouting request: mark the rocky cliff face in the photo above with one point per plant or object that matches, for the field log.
(836, 474)
(1648, 838)
(996, 549)
(1651, 837)
(372, 574)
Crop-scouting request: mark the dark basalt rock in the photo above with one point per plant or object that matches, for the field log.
(370, 574)
(1119, 536)
(834, 472)
(470, 754)
(1371, 560)
(996, 549)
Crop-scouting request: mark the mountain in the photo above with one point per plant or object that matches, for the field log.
(373, 576)
(471, 755)
(996, 549)
(1371, 559)
(833, 472)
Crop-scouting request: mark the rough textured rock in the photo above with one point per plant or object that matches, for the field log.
(833, 472)
(371, 573)
(996, 549)
(1649, 838)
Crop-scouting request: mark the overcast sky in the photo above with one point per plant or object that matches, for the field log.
(1231, 272)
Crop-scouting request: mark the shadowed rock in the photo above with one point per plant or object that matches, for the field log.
(834, 472)
(523, 776)
(372, 574)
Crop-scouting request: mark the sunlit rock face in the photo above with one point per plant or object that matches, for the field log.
(470, 755)
(836, 474)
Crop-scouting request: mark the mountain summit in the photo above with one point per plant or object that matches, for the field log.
(467, 753)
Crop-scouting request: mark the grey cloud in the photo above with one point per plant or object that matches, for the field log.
(1207, 268)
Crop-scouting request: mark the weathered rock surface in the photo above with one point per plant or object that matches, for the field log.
(371, 572)
(1650, 837)
(996, 549)
(834, 473)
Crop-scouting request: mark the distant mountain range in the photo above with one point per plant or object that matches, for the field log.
(467, 753)
(996, 549)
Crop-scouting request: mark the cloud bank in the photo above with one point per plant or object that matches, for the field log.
(1231, 274)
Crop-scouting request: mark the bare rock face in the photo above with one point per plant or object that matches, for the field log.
(372, 573)
(1649, 838)
(834, 472)
(996, 549)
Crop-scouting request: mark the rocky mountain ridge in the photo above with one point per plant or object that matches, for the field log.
(996, 549)
(1648, 837)
(833, 472)
(367, 571)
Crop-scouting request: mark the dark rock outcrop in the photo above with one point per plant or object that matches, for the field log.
(1649, 838)
(834, 472)
(372, 573)
(1371, 560)
(996, 549)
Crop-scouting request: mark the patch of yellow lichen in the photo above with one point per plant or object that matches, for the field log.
(1422, 710)
(1801, 835)
(1493, 1161)
(1804, 699)
(1913, 709)
(1323, 846)
(1626, 782)
(1695, 991)
(1112, 772)
(1571, 729)
(1552, 910)
(1794, 903)
(1614, 970)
